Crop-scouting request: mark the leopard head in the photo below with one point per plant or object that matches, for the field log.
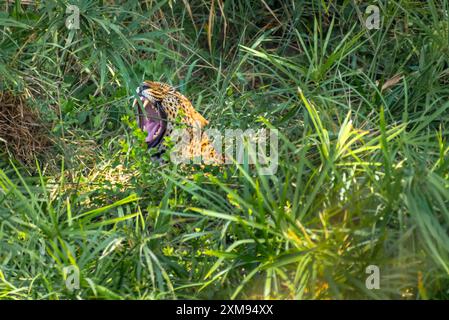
(158, 107)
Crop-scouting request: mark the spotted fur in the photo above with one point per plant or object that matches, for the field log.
(178, 108)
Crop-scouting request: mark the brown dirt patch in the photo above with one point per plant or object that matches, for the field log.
(22, 132)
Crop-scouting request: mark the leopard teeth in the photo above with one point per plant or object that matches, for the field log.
(145, 103)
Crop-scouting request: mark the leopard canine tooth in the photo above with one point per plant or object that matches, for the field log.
(145, 103)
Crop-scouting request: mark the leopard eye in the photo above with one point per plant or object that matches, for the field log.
(157, 94)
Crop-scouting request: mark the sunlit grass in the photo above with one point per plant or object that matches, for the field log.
(363, 165)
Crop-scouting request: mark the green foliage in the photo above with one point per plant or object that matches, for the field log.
(363, 156)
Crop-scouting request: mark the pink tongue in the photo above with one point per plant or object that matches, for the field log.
(151, 128)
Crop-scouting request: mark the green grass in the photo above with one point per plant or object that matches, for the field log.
(363, 162)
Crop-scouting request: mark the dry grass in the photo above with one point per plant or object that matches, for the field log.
(21, 131)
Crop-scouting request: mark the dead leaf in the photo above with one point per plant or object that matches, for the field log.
(392, 82)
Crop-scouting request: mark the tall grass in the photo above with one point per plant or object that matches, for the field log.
(363, 154)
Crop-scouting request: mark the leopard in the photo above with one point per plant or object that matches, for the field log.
(161, 109)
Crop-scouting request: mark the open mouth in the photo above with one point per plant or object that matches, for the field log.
(152, 120)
